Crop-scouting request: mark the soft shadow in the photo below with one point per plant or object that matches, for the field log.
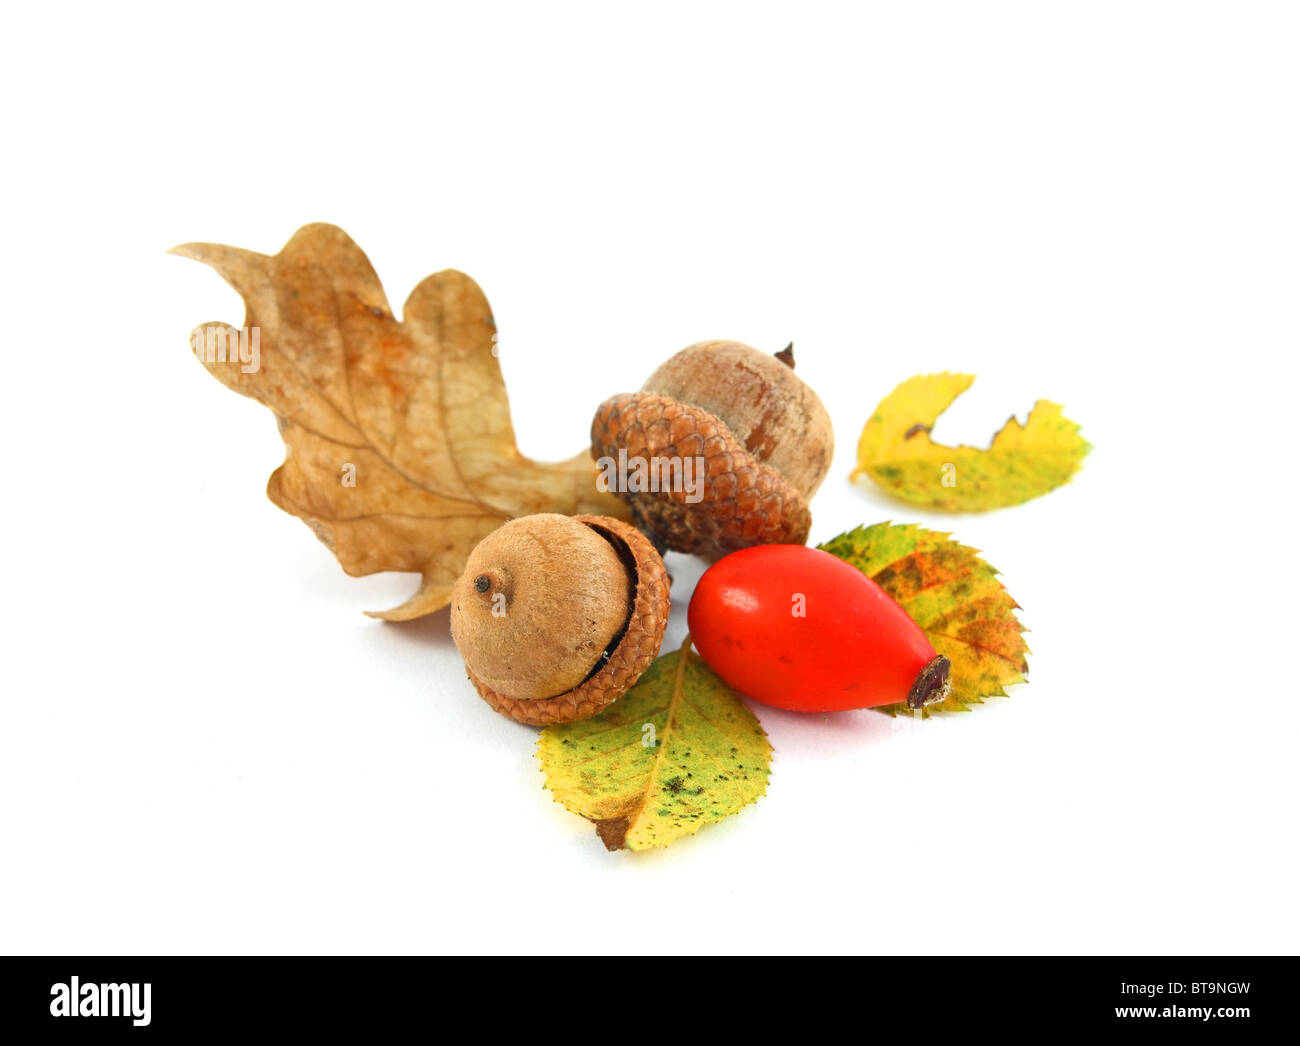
(432, 630)
(859, 727)
(890, 507)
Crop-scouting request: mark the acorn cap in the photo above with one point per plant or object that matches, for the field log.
(629, 655)
(739, 500)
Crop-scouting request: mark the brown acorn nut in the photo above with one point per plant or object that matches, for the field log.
(764, 436)
(556, 616)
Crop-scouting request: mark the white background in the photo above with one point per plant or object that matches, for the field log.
(205, 747)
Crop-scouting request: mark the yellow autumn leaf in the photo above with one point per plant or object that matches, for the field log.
(400, 454)
(955, 596)
(1023, 462)
(676, 752)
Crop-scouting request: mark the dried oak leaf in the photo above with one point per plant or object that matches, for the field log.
(955, 596)
(1023, 461)
(676, 752)
(400, 452)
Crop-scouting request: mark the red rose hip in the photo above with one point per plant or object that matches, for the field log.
(798, 628)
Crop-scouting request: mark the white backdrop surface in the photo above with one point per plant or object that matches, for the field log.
(204, 745)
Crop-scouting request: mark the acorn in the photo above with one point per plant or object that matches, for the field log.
(751, 438)
(556, 616)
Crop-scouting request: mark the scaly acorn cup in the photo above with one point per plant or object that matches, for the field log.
(761, 437)
(556, 616)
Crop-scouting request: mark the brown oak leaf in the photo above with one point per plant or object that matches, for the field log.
(400, 452)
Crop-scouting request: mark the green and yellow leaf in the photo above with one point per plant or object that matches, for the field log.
(954, 596)
(1023, 462)
(678, 751)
